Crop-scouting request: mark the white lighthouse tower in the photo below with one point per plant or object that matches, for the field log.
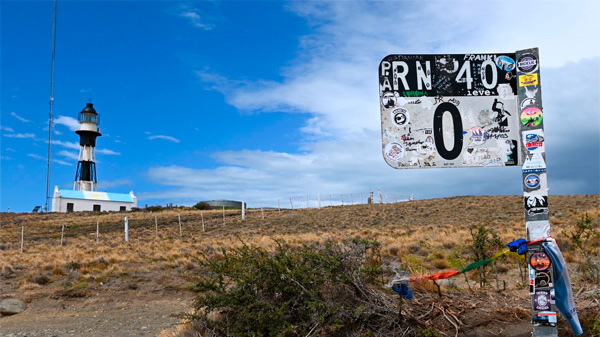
(85, 176)
(85, 195)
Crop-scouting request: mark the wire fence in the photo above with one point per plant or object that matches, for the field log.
(168, 223)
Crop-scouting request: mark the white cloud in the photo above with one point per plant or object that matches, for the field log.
(108, 152)
(60, 162)
(36, 156)
(169, 138)
(5, 158)
(6, 128)
(67, 154)
(69, 122)
(19, 135)
(56, 132)
(69, 145)
(195, 19)
(19, 117)
(10, 149)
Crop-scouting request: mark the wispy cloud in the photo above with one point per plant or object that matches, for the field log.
(19, 117)
(19, 135)
(6, 128)
(60, 162)
(108, 152)
(196, 18)
(36, 156)
(169, 138)
(10, 149)
(69, 145)
(68, 154)
(5, 158)
(67, 121)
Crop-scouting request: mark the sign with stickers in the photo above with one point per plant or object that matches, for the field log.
(476, 110)
(457, 110)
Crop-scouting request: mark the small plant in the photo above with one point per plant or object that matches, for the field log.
(582, 237)
(485, 244)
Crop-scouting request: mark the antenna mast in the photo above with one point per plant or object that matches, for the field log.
(50, 120)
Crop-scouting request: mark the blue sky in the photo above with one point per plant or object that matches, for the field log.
(267, 100)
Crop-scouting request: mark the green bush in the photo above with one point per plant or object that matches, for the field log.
(202, 205)
(330, 289)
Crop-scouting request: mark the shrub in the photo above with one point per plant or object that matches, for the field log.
(313, 289)
(202, 205)
(485, 244)
(582, 238)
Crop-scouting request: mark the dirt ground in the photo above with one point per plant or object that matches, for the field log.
(106, 313)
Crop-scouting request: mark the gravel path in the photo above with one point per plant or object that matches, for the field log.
(119, 313)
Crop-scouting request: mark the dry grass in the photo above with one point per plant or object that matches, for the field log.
(423, 236)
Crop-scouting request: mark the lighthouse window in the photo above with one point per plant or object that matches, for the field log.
(122, 208)
(69, 207)
(96, 208)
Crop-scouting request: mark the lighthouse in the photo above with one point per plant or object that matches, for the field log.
(85, 176)
(85, 197)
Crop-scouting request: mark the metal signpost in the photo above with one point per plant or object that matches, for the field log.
(475, 110)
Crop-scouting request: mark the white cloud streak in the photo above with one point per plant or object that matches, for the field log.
(67, 154)
(108, 152)
(19, 135)
(19, 117)
(6, 128)
(69, 122)
(196, 18)
(169, 138)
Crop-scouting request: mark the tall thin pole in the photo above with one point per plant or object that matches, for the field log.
(51, 107)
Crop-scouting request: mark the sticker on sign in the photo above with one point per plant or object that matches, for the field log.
(449, 110)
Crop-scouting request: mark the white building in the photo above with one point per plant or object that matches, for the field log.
(78, 201)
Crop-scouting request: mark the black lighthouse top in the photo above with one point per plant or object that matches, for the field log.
(89, 114)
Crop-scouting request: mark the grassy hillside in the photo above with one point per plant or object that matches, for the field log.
(422, 236)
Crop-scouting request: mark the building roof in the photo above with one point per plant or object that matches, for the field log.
(104, 196)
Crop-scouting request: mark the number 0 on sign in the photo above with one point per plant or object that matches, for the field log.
(449, 110)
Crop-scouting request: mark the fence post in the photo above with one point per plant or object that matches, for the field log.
(202, 216)
(379, 194)
(223, 215)
(155, 227)
(97, 231)
(62, 234)
(243, 211)
(351, 199)
(371, 198)
(395, 198)
(330, 202)
(342, 199)
(262, 213)
(180, 230)
(22, 236)
(126, 230)
(319, 200)
(361, 199)
(291, 203)
(386, 199)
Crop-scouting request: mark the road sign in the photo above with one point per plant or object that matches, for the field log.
(470, 110)
(450, 110)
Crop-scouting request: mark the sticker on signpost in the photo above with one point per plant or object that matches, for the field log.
(456, 110)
